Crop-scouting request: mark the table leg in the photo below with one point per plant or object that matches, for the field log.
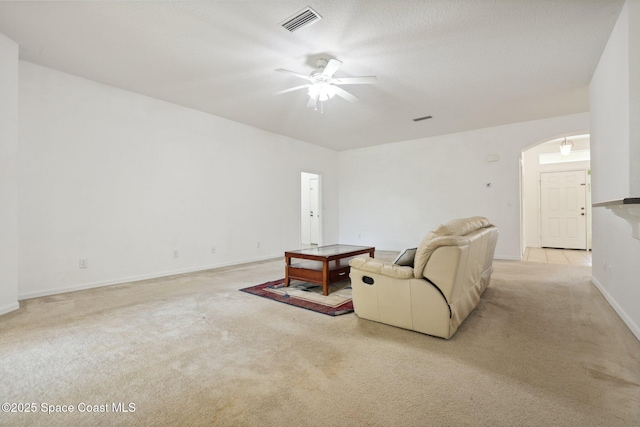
(287, 281)
(325, 277)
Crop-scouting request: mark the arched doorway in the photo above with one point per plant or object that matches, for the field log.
(556, 200)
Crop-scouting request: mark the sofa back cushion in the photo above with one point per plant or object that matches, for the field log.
(450, 234)
(457, 269)
(461, 226)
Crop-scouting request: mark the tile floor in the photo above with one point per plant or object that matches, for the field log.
(557, 256)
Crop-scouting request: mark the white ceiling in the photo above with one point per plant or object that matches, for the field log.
(468, 63)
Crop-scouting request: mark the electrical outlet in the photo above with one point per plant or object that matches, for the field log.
(84, 262)
(176, 253)
(258, 244)
(213, 249)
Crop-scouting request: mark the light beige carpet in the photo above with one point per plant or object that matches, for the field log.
(542, 348)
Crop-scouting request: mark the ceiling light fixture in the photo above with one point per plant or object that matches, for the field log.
(322, 91)
(565, 147)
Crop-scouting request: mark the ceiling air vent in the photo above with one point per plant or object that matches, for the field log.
(304, 18)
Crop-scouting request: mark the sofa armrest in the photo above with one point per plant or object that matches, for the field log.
(372, 265)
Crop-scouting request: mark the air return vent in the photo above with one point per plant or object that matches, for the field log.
(304, 18)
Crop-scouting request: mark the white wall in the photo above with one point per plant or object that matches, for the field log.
(531, 186)
(125, 180)
(8, 175)
(392, 195)
(615, 137)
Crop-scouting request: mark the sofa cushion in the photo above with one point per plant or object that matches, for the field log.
(449, 234)
(406, 257)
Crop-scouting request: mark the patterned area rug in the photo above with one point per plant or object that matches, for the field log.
(308, 295)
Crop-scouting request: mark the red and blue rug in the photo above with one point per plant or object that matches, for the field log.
(308, 296)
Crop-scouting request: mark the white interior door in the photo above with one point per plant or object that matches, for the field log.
(563, 209)
(310, 209)
(314, 213)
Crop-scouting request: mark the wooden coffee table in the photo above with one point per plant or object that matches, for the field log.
(323, 265)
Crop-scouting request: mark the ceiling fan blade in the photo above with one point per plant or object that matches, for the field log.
(344, 94)
(364, 80)
(313, 101)
(280, 92)
(302, 76)
(332, 67)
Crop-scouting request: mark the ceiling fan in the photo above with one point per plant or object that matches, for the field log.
(323, 86)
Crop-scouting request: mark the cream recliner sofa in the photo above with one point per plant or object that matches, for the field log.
(451, 269)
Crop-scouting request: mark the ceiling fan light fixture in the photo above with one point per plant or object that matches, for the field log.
(314, 91)
(322, 90)
(322, 86)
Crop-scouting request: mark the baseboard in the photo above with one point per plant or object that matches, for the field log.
(612, 302)
(119, 281)
(9, 308)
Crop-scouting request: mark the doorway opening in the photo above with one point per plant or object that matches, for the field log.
(556, 196)
(310, 210)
